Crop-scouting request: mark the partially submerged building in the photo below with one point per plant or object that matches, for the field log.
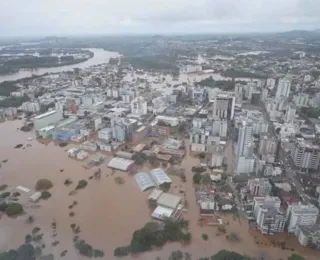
(121, 164)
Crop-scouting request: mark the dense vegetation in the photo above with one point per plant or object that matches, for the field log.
(43, 184)
(222, 84)
(311, 112)
(87, 250)
(241, 74)
(157, 62)
(14, 209)
(153, 234)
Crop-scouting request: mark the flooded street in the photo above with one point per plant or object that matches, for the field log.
(106, 212)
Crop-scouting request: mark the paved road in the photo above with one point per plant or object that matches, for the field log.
(286, 161)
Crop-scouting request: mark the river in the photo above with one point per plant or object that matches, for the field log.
(100, 56)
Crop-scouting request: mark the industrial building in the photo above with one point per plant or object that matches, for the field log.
(48, 118)
(121, 164)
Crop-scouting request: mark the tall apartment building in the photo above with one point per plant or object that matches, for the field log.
(305, 155)
(268, 145)
(301, 215)
(308, 236)
(224, 104)
(290, 113)
(283, 88)
(259, 187)
(245, 139)
(122, 128)
(139, 106)
(269, 218)
(245, 146)
(271, 83)
(220, 128)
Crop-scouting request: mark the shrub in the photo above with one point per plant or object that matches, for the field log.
(5, 195)
(16, 194)
(43, 184)
(27, 239)
(3, 187)
(187, 237)
(73, 226)
(35, 230)
(122, 251)
(204, 236)
(119, 180)
(45, 195)
(14, 209)
(81, 184)
(98, 253)
(3, 206)
(67, 182)
(197, 178)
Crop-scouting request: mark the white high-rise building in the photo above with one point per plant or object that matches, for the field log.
(271, 83)
(283, 89)
(245, 145)
(290, 113)
(302, 215)
(139, 106)
(245, 139)
(270, 219)
(220, 128)
(224, 104)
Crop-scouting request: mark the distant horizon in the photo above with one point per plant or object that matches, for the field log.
(79, 35)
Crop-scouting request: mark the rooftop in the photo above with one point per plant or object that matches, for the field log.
(45, 114)
(168, 200)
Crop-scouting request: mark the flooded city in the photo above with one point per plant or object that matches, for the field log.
(106, 212)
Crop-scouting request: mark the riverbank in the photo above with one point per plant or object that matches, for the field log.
(100, 56)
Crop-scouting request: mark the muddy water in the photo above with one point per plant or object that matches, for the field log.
(107, 213)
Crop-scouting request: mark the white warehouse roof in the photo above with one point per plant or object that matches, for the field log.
(159, 176)
(144, 181)
(168, 200)
(120, 163)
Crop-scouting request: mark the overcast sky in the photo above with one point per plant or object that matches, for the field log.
(72, 17)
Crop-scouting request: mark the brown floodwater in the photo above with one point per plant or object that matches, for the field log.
(107, 213)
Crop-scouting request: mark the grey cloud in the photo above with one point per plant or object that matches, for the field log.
(18, 17)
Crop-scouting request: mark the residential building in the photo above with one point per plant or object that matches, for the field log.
(301, 99)
(301, 215)
(224, 104)
(245, 139)
(245, 165)
(139, 106)
(220, 128)
(290, 113)
(305, 154)
(190, 68)
(197, 94)
(268, 145)
(283, 88)
(30, 106)
(122, 128)
(172, 121)
(308, 236)
(270, 220)
(259, 187)
(271, 83)
(105, 134)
